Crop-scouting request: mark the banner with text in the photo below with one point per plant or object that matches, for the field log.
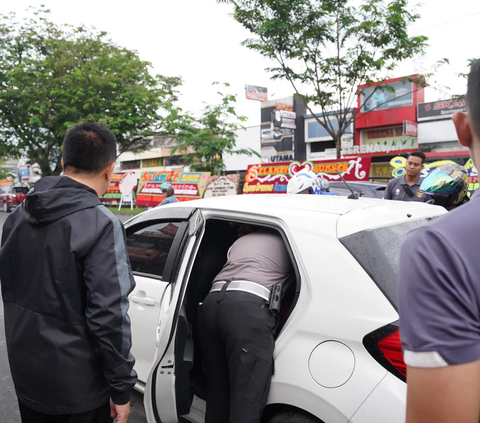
(113, 194)
(187, 186)
(220, 186)
(273, 178)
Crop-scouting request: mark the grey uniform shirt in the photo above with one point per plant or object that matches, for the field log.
(260, 257)
(396, 191)
(440, 290)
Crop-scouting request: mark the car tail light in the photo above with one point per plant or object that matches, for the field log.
(384, 345)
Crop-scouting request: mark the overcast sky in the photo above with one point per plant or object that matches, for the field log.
(199, 41)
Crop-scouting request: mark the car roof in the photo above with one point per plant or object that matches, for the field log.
(273, 204)
(359, 183)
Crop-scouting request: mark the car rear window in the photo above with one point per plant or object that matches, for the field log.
(378, 252)
(20, 190)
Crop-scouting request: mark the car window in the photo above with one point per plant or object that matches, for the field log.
(20, 190)
(340, 191)
(378, 252)
(148, 248)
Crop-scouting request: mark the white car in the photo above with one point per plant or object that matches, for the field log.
(338, 355)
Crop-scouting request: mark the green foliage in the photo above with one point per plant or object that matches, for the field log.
(54, 76)
(327, 48)
(204, 141)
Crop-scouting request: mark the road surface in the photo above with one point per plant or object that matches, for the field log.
(8, 402)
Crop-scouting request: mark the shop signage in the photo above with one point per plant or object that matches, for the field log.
(385, 140)
(187, 186)
(390, 95)
(256, 93)
(410, 128)
(277, 128)
(220, 186)
(273, 178)
(444, 109)
(399, 163)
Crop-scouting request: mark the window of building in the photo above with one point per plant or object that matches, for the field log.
(148, 248)
(174, 161)
(320, 147)
(131, 164)
(152, 162)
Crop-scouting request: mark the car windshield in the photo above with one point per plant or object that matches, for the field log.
(378, 250)
(20, 190)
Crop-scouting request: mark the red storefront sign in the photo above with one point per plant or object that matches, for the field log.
(272, 178)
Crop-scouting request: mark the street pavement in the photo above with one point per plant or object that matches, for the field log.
(8, 402)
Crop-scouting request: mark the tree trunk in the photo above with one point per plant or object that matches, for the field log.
(338, 146)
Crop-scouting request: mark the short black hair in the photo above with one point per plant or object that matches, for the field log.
(473, 97)
(89, 148)
(418, 154)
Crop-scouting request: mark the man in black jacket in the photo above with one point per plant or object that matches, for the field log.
(65, 278)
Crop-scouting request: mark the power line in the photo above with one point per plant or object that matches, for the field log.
(446, 23)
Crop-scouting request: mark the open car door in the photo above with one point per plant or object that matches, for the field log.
(168, 394)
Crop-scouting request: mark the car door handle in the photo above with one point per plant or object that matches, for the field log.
(143, 300)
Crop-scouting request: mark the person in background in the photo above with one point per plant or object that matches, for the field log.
(169, 194)
(65, 278)
(407, 187)
(447, 185)
(440, 299)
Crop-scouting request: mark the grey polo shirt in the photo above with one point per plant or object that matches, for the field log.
(440, 290)
(395, 191)
(260, 257)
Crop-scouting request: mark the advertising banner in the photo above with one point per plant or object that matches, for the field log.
(277, 130)
(256, 93)
(375, 98)
(273, 178)
(219, 186)
(187, 186)
(114, 193)
(444, 109)
(399, 163)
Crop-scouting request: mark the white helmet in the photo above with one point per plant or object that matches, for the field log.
(302, 181)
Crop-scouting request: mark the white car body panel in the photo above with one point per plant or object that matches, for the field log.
(338, 302)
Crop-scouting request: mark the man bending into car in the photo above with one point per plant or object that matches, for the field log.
(237, 326)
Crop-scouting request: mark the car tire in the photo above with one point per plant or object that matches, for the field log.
(292, 417)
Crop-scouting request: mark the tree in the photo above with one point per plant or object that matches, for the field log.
(54, 76)
(327, 48)
(203, 142)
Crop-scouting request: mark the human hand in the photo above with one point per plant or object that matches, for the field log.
(121, 412)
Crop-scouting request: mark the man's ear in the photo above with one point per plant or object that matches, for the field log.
(464, 130)
(109, 171)
(63, 166)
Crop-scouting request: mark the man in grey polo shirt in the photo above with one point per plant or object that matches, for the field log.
(407, 187)
(440, 300)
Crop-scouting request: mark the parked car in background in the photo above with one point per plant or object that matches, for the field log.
(338, 355)
(363, 189)
(12, 197)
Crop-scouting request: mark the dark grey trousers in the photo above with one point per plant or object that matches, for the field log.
(99, 415)
(237, 338)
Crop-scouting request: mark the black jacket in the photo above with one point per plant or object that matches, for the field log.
(65, 278)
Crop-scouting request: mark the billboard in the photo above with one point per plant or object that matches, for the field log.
(114, 193)
(254, 92)
(187, 186)
(277, 139)
(398, 94)
(220, 186)
(273, 178)
(444, 109)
